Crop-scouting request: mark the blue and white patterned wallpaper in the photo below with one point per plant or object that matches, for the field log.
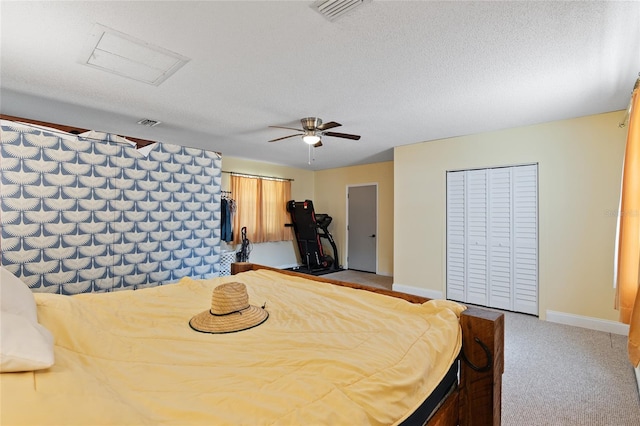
(81, 215)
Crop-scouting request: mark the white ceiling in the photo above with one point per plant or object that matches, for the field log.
(395, 72)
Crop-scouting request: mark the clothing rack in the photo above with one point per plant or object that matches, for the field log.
(257, 176)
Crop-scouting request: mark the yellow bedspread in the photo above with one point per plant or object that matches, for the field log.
(326, 355)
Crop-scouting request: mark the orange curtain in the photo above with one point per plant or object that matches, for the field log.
(628, 262)
(275, 195)
(261, 207)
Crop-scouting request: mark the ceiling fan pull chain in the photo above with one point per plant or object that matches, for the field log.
(309, 161)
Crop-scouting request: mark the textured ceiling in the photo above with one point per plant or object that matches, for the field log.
(395, 72)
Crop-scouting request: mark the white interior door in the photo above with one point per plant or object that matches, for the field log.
(362, 227)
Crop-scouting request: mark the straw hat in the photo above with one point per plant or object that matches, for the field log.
(230, 311)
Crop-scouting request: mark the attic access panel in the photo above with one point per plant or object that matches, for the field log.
(119, 53)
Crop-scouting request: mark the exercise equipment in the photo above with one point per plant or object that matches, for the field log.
(309, 228)
(242, 255)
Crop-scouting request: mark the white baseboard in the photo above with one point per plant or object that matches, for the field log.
(588, 322)
(431, 294)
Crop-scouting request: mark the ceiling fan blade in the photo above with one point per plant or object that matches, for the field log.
(317, 144)
(329, 125)
(286, 137)
(342, 135)
(289, 128)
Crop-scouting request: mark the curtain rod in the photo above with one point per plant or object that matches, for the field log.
(257, 176)
(623, 123)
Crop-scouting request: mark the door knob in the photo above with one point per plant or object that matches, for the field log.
(372, 235)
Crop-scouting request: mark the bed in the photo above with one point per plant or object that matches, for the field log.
(328, 353)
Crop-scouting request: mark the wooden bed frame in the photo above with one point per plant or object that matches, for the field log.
(477, 399)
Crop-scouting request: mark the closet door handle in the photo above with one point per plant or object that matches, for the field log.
(372, 235)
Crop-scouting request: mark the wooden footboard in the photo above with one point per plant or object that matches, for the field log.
(481, 367)
(477, 401)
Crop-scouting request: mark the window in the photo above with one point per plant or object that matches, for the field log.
(261, 207)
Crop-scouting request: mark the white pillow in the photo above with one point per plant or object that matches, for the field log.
(25, 345)
(15, 296)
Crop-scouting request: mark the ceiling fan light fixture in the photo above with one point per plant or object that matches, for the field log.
(311, 139)
(312, 131)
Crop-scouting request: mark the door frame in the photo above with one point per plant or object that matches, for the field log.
(346, 226)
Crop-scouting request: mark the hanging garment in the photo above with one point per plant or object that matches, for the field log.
(226, 231)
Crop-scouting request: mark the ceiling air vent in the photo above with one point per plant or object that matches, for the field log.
(147, 122)
(334, 9)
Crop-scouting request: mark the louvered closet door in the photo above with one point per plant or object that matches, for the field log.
(525, 230)
(492, 237)
(500, 241)
(456, 240)
(476, 222)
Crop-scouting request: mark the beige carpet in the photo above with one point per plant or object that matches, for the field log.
(560, 375)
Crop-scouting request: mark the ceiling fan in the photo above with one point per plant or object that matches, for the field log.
(312, 131)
